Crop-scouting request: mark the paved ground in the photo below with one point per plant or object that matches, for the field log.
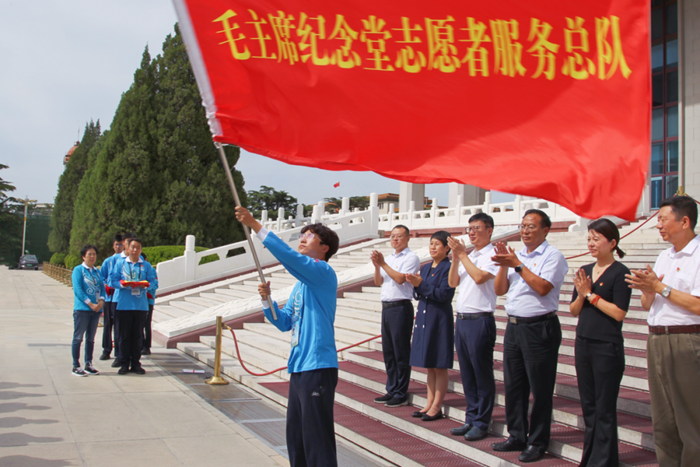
(50, 418)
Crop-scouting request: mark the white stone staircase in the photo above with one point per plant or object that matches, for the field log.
(263, 348)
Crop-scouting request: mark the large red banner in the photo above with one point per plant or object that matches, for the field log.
(546, 98)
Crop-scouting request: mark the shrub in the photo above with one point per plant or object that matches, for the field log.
(58, 259)
(72, 261)
(156, 254)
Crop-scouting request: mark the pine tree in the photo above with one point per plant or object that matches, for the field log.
(157, 172)
(10, 224)
(68, 183)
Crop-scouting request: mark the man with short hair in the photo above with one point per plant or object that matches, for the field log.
(126, 240)
(671, 293)
(313, 360)
(108, 310)
(532, 277)
(475, 330)
(397, 314)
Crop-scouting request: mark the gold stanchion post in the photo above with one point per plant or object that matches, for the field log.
(217, 379)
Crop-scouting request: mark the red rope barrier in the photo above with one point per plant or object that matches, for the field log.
(238, 353)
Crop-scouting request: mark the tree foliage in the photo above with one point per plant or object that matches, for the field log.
(156, 171)
(68, 183)
(271, 199)
(10, 223)
(361, 202)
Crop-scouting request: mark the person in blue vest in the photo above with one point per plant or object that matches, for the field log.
(89, 298)
(108, 310)
(313, 362)
(148, 321)
(132, 304)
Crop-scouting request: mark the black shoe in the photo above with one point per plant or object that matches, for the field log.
(123, 370)
(396, 402)
(383, 399)
(77, 371)
(461, 431)
(417, 414)
(104, 356)
(116, 363)
(430, 418)
(531, 454)
(475, 434)
(146, 352)
(91, 369)
(511, 444)
(138, 370)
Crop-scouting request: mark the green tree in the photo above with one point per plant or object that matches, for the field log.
(11, 211)
(355, 202)
(270, 199)
(68, 183)
(156, 172)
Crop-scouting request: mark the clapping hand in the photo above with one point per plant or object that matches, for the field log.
(582, 282)
(377, 258)
(643, 279)
(459, 249)
(414, 279)
(505, 256)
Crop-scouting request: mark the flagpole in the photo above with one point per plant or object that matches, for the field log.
(237, 200)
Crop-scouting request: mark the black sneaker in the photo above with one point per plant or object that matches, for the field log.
(146, 351)
(91, 369)
(104, 356)
(123, 370)
(383, 399)
(77, 371)
(396, 402)
(138, 370)
(116, 363)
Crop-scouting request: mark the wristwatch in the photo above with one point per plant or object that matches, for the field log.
(588, 295)
(519, 268)
(666, 292)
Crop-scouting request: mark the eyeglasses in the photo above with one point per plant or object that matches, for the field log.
(473, 229)
(529, 228)
(397, 237)
(308, 236)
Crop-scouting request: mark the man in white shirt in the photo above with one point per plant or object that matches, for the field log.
(671, 293)
(397, 314)
(532, 277)
(475, 330)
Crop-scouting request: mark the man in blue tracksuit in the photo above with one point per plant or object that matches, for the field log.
(131, 305)
(108, 310)
(313, 361)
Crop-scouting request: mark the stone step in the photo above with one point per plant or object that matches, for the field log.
(232, 294)
(186, 306)
(171, 311)
(202, 301)
(632, 429)
(387, 442)
(216, 297)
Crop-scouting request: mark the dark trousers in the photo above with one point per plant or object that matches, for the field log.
(310, 430)
(147, 333)
(109, 326)
(474, 342)
(530, 353)
(599, 369)
(397, 324)
(84, 323)
(130, 326)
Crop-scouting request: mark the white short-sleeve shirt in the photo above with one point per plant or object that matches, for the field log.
(681, 271)
(548, 263)
(404, 262)
(473, 297)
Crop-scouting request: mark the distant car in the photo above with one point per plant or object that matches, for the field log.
(28, 262)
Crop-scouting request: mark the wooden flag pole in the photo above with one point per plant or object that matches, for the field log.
(237, 200)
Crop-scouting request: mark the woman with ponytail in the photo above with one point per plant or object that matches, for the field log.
(600, 301)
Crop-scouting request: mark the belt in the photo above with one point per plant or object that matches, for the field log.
(690, 329)
(473, 315)
(396, 303)
(533, 319)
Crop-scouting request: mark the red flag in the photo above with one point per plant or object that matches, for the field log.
(544, 98)
(336, 185)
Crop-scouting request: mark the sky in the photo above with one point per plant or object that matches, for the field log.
(67, 62)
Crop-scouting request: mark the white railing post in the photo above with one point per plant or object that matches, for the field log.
(190, 260)
(300, 215)
(344, 207)
(487, 202)
(280, 218)
(458, 210)
(263, 217)
(411, 213)
(374, 212)
(517, 208)
(391, 215)
(434, 211)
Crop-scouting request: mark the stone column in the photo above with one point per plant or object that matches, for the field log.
(411, 192)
